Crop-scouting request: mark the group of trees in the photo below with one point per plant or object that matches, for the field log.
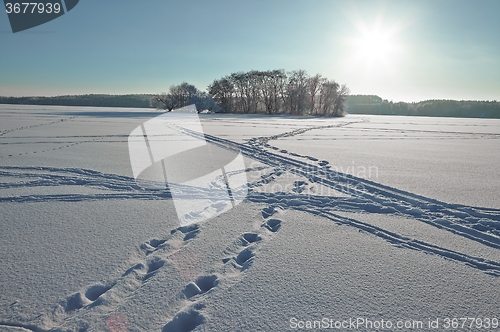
(270, 92)
(370, 104)
(182, 95)
(277, 91)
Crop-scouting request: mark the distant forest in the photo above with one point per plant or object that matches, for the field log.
(370, 104)
(356, 104)
(95, 100)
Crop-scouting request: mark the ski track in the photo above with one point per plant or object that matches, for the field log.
(475, 223)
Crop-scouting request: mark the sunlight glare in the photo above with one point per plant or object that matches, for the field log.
(374, 49)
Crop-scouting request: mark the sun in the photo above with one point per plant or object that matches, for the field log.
(374, 47)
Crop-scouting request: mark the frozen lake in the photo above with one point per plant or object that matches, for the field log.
(366, 218)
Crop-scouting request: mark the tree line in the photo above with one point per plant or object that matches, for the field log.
(371, 104)
(271, 103)
(93, 100)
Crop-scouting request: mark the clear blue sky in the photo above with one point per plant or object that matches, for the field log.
(399, 50)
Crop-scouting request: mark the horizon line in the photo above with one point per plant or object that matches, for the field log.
(152, 94)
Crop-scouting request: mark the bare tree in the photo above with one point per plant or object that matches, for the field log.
(222, 91)
(296, 91)
(340, 104)
(314, 87)
(328, 95)
(164, 101)
(182, 95)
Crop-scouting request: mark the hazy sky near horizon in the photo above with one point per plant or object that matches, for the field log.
(399, 50)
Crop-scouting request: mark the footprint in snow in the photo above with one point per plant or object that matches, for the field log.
(272, 224)
(152, 245)
(92, 294)
(189, 231)
(186, 321)
(156, 243)
(245, 257)
(95, 291)
(153, 266)
(247, 238)
(201, 285)
(267, 212)
(74, 302)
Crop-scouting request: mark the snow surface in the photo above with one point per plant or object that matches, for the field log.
(369, 217)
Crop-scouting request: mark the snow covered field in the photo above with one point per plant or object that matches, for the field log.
(359, 223)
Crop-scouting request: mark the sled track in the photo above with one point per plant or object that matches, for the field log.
(478, 224)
